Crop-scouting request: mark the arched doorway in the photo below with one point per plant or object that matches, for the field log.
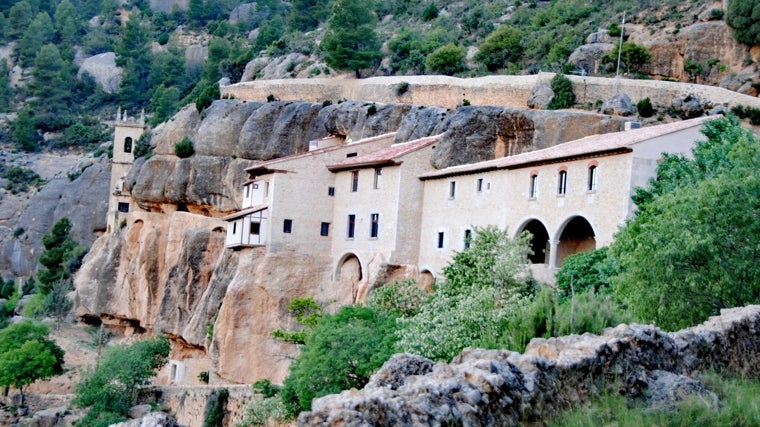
(348, 275)
(539, 243)
(427, 280)
(577, 236)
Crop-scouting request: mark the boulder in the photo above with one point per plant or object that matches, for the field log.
(154, 419)
(245, 12)
(396, 370)
(139, 411)
(183, 124)
(219, 132)
(667, 389)
(588, 57)
(690, 106)
(540, 96)
(420, 122)
(619, 105)
(601, 36)
(278, 129)
(102, 68)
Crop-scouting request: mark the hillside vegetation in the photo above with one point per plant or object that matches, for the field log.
(156, 50)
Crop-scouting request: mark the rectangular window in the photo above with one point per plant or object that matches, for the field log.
(452, 189)
(467, 238)
(266, 189)
(479, 185)
(234, 228)
(354, 181)
(592, 178)
(440, 239)
(123, 207)
(351, 226)
(378, 177)
(247, 191)
(374, 225)
(255, 228)
(330, 191)
(533, 190)
(324, 230)
(562, 183)
(287, 226)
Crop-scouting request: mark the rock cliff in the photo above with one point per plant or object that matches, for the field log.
(499, 387)
(167, 269)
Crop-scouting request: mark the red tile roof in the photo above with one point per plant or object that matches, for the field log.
(387, 156)
(588, 146)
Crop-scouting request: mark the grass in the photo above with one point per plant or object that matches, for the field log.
(739, 406)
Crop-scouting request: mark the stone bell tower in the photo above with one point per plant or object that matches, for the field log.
(127, 132)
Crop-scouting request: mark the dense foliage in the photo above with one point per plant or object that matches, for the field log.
(109, 389)
(350, 42)
(691, 249)
(564, 97)
(744, 17)
(26, 355)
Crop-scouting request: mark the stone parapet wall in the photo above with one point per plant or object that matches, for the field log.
(500, 387)
(189, 405)
(449, 92)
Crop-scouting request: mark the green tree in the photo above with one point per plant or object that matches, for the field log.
(39, 32)
(26, 355)
(500, 48)
(163, 103)
(133, 54)
(67, 24)
(586, 271)
(306, 15)
(24, 131)
(448, 60)
(19, 18)
(350, 42)
(111, 388)
(56, 303)
(270, 31)
(61, 258)
(744, 17)
(564, 97)
(633, 56)
(341, 353)
(48, 66)
(6, 93)
(691, 249)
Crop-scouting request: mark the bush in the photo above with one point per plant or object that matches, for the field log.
(262, 412)
(216, 412)
(586, 271)
(448, 59)
(614, 30)
(402, 88)
(20, 179)
(143, 148)
(402, 299)
(341, 353)
(645, 108)
(500, 48)
(184, 148)
(564, 97)
(266, 388)
(430, 12)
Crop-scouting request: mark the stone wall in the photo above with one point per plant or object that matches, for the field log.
(189, 405)
(449, 92)
(500, 387)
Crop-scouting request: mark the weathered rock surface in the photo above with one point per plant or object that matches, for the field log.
(499, 387)
(84, 201)
(184, 124)
(588, 57)
(102, 68)
(153, 419)
(690, 106)
(666, 389)
(540, 97)
(619, 105)
(168, 5)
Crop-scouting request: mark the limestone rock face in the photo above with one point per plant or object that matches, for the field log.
(618, 105)
(219, 132)
(184, 124)
(540, 97)
(356, 121)
(499, 387)
(588, 57)
(420, 122)
(278, 129)
(84, 201)
(690, 106)
(102, 67)
(243, 13)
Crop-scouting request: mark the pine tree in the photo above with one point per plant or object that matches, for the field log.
(40, 31)
(351, 42)
(306, 15)
(19, 18)
(133, 55)
(67, 23)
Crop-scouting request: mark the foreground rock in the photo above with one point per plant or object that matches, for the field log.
(500, 387)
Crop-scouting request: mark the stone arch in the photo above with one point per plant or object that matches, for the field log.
(349, 273)
(539, 243)
(575, 235)
(219, 230)
(426, 279)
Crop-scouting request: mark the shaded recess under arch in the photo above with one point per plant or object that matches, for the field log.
(426, 280)
(539, 243)
(348, 274)
(577, 236)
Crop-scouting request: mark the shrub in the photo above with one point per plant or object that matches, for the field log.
(614, 30)
(184, 148)
(402, 88)
(143, 148)
(18, 232)
(371, 110)
(260, 412)
(402, 299)
(430, 12)
(216, 412)
(645, 108)
(501, 47)
(203, 377)
(586, 271)
(448, 59)
(266, 388)
(564, 97)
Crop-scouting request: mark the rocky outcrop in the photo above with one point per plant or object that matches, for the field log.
(168, 5)
(102, 68)
(27, 216)
(499, 387)
(540, 97)
(618, 105)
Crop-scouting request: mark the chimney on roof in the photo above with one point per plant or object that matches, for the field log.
(632, 125)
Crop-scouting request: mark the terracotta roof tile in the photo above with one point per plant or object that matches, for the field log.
(386, 155)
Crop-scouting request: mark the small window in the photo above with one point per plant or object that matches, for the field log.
(562, 183)
(324, 230)
(440, 239)
(234, 228)
(287, 226)
(123, 207)
(354, 181)
(352, 154)
(266, 188)
(467, 238)
(247, 191)
(127, 145)
(533, 190)
(378, 177)
(330, 191)
(592, 174)
(452, 189)
(479, 185)
(351, 226)
(255, 186)
(255, 228)
(374, 225)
